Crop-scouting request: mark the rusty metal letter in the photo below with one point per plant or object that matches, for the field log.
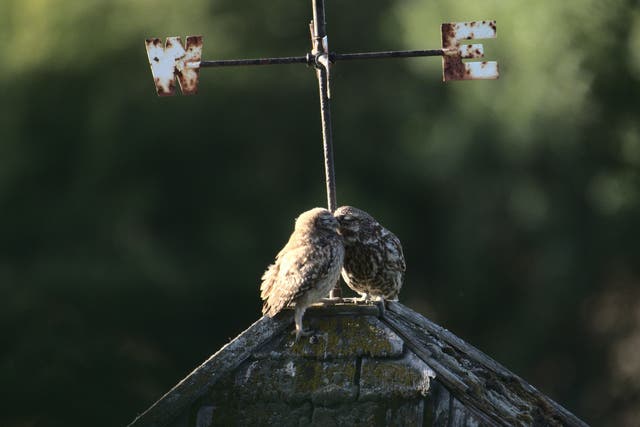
(452, 66)
(174, 60)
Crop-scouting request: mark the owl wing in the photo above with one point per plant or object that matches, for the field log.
(295, 272)
(395, 256)
(271, 275)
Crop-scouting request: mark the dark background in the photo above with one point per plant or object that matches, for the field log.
(134, 229)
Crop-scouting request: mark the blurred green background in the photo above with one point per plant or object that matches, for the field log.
(134, 229)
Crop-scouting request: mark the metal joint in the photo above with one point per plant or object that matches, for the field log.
(322, 60)
(310, 59)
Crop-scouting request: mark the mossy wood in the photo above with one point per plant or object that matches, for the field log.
(363, 366)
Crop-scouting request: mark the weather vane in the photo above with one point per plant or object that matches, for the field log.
(183, 62)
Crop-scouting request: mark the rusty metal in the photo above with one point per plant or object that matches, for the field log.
(175, 60)
(452, 66)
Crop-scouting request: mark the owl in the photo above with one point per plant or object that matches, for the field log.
(374, 264)
(306, 269)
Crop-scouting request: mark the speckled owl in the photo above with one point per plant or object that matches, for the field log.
(374, 263)
(306, 269)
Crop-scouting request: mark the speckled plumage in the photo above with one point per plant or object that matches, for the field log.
(374, 263)
(307, 268)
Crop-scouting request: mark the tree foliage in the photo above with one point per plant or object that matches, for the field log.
(133, 229)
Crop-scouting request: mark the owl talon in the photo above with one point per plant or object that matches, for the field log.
(363, 298)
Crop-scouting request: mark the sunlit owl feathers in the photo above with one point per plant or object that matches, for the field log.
(374, 263)
(307, 268)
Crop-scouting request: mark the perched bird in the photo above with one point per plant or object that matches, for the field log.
(373, 263)
(306, 269)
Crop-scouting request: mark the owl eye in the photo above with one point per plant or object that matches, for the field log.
(348, 218)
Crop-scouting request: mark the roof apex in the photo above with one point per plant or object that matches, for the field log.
(482, 385)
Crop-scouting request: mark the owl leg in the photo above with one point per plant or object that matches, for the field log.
(334, 296)
(363, 297)
(298, 319)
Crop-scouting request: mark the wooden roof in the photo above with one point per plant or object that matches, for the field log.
(361, 354)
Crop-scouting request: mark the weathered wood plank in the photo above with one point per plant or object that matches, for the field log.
(448, 337)
(202, 378)
(344, 307)
(447, 369)
(440, 404)
(460, 416)
(493, 390)
(446, 376)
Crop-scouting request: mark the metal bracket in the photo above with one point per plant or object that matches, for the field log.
(321, 56)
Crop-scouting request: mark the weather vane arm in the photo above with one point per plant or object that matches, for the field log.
(385, 54)
(257, 61)
(175, 61)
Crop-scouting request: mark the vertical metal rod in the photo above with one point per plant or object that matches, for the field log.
(319, 22)
(319, 31)
(325, 113)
